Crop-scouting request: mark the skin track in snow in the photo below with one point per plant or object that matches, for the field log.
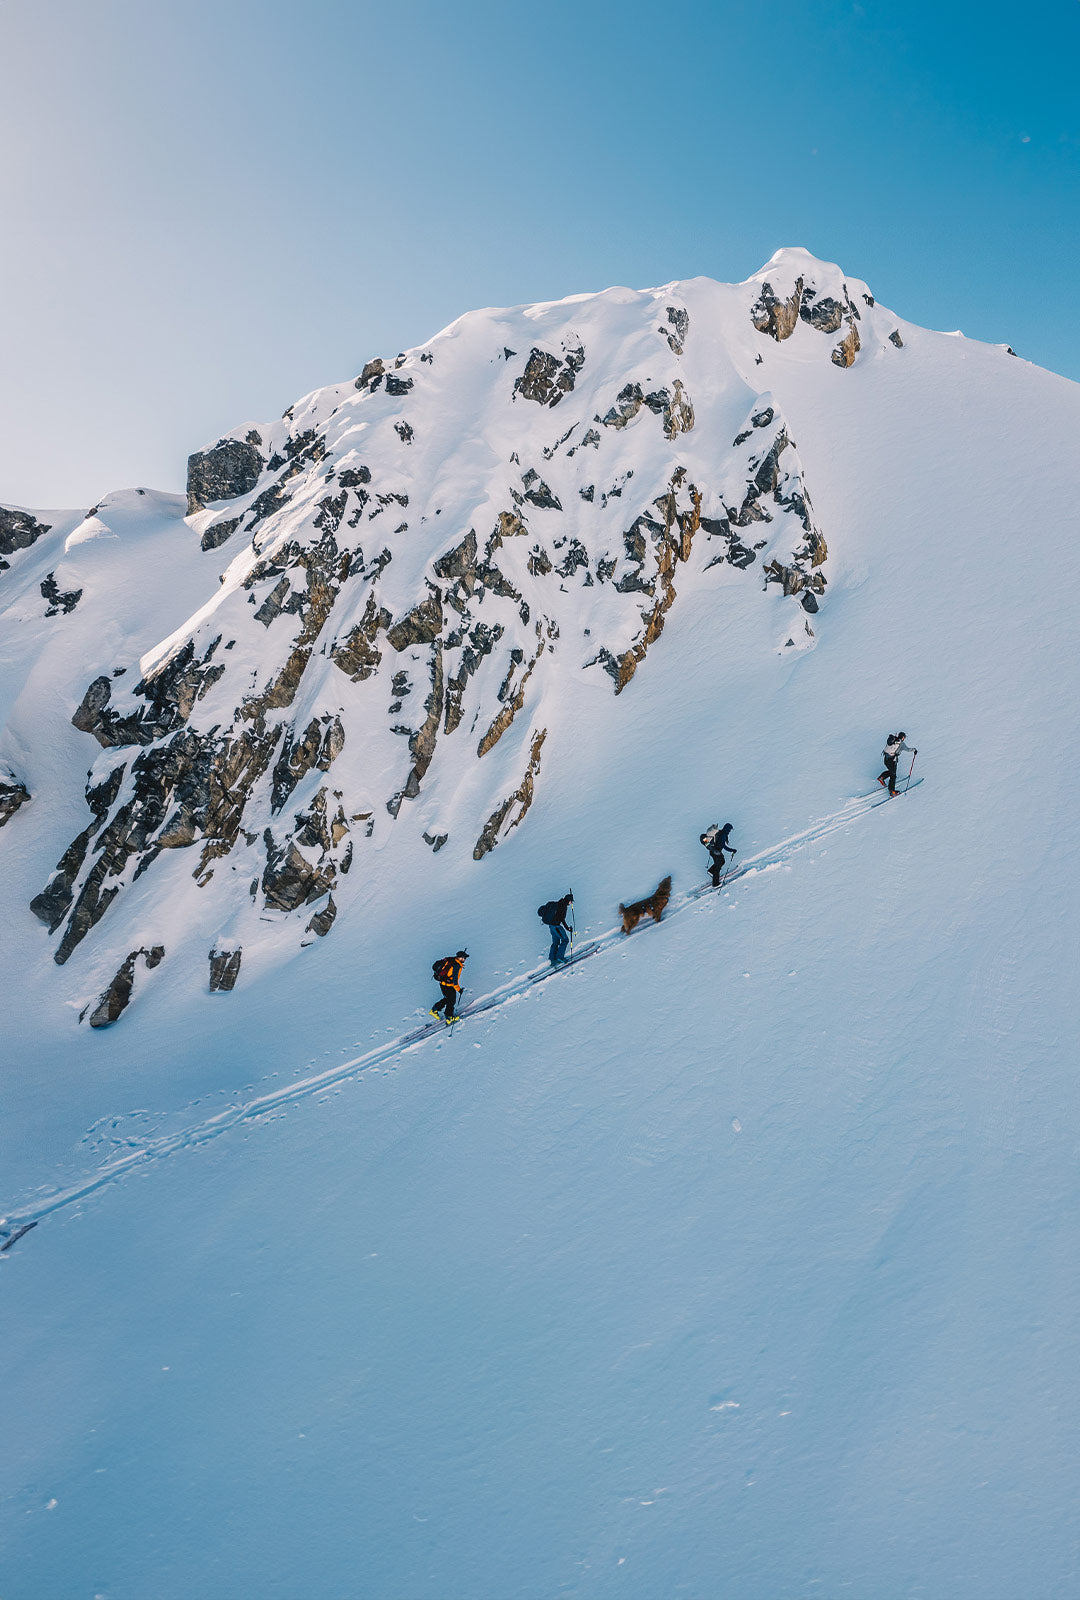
(22, 1219)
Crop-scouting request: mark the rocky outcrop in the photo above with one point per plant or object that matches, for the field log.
(117, 996)
(778, 318)
(628, 402)
(422, 741)
(674, 406)
(323, 920)
(894, 338)
(676, 410)
(513, 809)
(512, 698)
(289, 880)
(224, 969)
(372, 375)
(233, 744)
(826, 314)
(317, 748)
(794, 580)
(217, 533)
(679, 318)
(18, 531)
(422, 625)
(654, 545)
(57, 601)
(12, 796)
(848, 348)
(229, 468)
(547, 378)
(359, 656)
(537, 492)
(169, 690)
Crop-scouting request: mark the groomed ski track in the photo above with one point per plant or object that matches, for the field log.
(20, 1219)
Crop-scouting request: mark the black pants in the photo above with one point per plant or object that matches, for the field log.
(890, 772)
(716, 869)
(449, 1000)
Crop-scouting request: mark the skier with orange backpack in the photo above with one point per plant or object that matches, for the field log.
(447, 974)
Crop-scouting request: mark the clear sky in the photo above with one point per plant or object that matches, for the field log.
(209, 207)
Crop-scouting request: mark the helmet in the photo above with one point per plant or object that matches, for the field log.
(463, 954)
(901, 735)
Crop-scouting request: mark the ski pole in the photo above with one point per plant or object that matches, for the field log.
(910, 770)
(573, 927)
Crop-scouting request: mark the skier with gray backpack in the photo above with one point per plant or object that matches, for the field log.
(894, 749)
(553, 916)
(715, 840)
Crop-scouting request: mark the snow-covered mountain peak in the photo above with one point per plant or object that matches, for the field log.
(388, 607)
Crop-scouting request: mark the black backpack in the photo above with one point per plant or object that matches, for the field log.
(442, 970)
(549, 914)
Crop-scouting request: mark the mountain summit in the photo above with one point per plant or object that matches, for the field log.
(402, 589)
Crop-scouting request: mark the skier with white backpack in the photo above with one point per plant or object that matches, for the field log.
(715, 840)
(894, 749)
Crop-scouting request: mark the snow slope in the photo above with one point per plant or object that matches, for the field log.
(740, 1261)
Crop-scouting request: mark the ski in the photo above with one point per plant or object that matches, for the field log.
(13, 1238)
(884, 799)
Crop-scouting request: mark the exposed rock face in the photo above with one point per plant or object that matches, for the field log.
(217, 533)
(323, 920)
(224, 969)
(117, 996)
(422, 625)
(372, 375)
(679, 318)
(289, 879)
(824, 312)
(394, 615)
(12, 796)
(18, 531)
(359, 655)
(57, 602)
(628, 402)
(826, 315)
(848, 348)
(675, 408)
(547, 378)
(228, 469)
(894, 338)
(776, 317)
(503, 818)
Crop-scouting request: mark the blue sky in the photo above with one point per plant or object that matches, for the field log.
(210, 207)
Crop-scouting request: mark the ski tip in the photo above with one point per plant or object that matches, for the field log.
(16, 1235)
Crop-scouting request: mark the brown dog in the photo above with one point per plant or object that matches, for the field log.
(652, 907)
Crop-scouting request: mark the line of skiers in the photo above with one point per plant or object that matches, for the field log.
(554, 914)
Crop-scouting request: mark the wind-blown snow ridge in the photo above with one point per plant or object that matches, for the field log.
(249, 1111)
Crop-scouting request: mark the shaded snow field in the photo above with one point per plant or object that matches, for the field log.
(740, 1262)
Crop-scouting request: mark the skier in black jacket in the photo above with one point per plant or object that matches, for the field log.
(554, 916)
(894, 749)
(447, 974)
(715, 841)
